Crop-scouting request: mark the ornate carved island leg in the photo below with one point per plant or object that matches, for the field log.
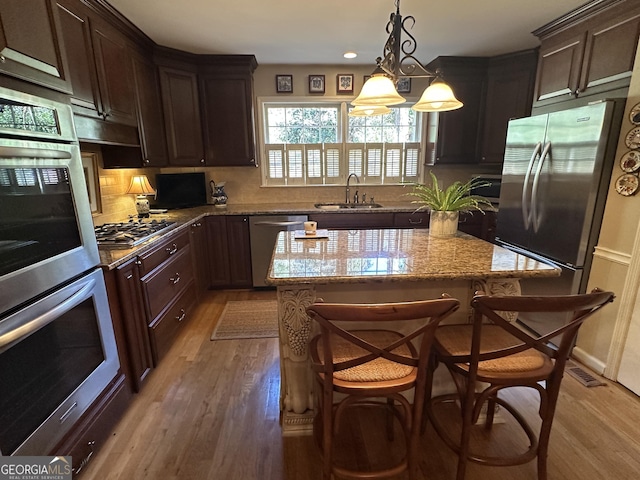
(296, 381)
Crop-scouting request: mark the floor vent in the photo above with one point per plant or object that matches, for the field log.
(584, 377)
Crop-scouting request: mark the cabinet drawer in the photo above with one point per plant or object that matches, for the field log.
(167, 249)
(162, 330)
(352, 220)
(164, 284)
(411, 220)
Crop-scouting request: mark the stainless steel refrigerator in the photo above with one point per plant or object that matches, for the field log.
(555, 177)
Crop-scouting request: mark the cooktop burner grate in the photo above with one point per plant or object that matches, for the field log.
(129, 234)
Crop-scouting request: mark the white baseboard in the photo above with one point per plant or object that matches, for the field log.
(588, 360)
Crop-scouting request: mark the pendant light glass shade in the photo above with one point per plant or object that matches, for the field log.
(369, 111)
(438, 97)
(378, 90)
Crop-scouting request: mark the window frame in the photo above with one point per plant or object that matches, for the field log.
(264, 152)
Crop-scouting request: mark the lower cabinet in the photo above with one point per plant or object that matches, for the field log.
(479, 224)
(96, 424)
(229, 251)
(200, 256)
(344, 221)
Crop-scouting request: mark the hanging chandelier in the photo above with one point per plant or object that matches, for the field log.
(399, 62)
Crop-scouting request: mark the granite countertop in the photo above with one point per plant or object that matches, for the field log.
(111, 258)
(392, 255)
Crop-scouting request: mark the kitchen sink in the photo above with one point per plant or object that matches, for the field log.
(345, 206)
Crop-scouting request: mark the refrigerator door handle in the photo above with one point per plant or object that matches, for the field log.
(535, 218)
(526, 213)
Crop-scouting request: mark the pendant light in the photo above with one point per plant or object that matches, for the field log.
(399, 62)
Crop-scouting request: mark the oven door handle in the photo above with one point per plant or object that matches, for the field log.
(10, 334)
(24, 152)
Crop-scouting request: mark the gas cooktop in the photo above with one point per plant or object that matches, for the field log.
(131, 233)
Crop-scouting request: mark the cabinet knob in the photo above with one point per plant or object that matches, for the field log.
(202, 161)
(2, 59)
(146, 161)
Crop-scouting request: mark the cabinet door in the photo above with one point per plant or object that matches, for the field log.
(227, 107)
(610, 51)
(76, 30)
(239, 251)
(199, 253)
(510, 83)
(559, 68)
(115, 77)
(135, 322)
(150, 116)
(31, 43)
(411, 219)
(218, 248)
(182, 117)
(458, 131)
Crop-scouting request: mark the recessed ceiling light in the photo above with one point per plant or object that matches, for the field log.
(350, 55)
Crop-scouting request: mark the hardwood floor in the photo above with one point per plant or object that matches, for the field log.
(210, 411)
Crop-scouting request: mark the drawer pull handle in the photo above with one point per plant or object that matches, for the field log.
(413, 222)
(175, 279)
(86, 459)
(172, 249)
(66, 414)
(183, 314)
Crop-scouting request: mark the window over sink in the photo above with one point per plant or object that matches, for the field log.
(318, 143)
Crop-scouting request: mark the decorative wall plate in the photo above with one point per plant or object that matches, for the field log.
(632, 139)
(634, 114)
(630, 162)
(627, 184)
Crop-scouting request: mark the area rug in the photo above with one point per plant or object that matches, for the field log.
(247, 319)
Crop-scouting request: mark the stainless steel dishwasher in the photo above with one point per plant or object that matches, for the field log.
(263, 230)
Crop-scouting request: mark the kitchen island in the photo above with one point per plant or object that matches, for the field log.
(374, 266)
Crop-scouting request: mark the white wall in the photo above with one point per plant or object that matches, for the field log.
(611, 259)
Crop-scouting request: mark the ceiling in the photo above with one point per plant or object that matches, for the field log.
(319, 32)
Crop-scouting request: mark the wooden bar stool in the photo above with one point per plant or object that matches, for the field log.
(496, 352)
(372, 366)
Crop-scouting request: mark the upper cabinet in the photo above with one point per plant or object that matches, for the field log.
(31, 43)
(181, 104)
(457, 137)
(226, 87)
(151, 127)
(208, 108)
(588, 51)
(510, 83)
(100, 69)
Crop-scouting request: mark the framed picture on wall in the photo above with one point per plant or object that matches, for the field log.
(344, 83)
(316, 83)
(284, 83)
(404, 85)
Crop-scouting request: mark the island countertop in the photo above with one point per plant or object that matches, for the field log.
(394, 255)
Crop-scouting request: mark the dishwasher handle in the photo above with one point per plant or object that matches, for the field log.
(278, 224)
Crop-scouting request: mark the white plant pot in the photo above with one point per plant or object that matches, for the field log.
(443, 224)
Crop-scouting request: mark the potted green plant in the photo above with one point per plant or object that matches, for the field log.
(445, 204)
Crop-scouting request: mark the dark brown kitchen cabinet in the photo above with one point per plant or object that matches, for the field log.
(168, 290)
(510, 83)
(226, 88)
(588, 51)
(151, 129)
(100, 69)
(411, 219)
(457, 135)
(135, 322)
(229, 251)
(478, 224)
(200, 255)
(32, 45)
(347, 220)
(181, 106)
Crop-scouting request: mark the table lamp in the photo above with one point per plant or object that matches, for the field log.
(141, 187)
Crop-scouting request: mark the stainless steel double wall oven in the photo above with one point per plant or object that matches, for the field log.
(57, 344)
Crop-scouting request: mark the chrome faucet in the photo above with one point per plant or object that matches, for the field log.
(347, 199)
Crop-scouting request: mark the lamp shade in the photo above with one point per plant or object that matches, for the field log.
(140, 186)
(438, 97)
(369, 111)
(378, 90)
